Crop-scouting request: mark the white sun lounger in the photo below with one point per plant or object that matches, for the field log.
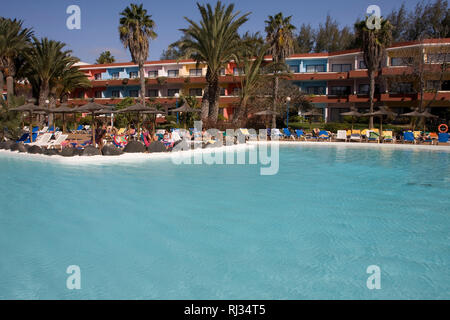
(42, 140)
(60, 139)
(342, 135)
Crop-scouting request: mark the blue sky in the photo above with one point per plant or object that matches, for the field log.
(99, 19)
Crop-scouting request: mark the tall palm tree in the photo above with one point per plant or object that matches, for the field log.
(373, 43)
(47, 61)
(214, 41)
(135, 29)
(251, 60)
(280, 39)
(105, 57)
(14, 40)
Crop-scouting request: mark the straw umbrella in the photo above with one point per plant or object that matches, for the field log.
(427, 115)
(417, 114)
(266, 114)
(91, 107)
(107, 110)
(184, 108)
(312, 113)
(353, 113)
(63, 109)
(30, 108)
(383, 111)
(137, 108)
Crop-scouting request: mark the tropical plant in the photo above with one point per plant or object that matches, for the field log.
(71, 79)
(280, 40)
(46, 63)
(135, 30)
(251, 60)
(214, 41)
(105, 57)
(373, 43)
(14, 40)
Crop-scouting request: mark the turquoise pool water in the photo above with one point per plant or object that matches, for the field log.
(155, 230)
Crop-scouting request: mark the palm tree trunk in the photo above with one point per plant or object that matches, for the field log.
(371, 96)
(142, 80)
(43, 93)
(275, 99)
(214, 101)
(205, 105)
(9, 87)
(241, 113)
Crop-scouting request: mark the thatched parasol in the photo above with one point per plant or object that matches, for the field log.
(91, 107)
(63, 109)
(383, 111)
(352, 113)
(30, 108)
(417, 114)
(138, 108)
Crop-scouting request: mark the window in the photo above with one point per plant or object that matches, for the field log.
(238, 71)
(115, 93)
(317, 90)
(172, 92)
(397, 62)
(133, 74)
(134, 93)
(222, 71)
(362, 65)
(341, 67)
(81, 94)
(115, 75)
(195, 72)
(438, 57)
(437, 85)
(98, 76)
(153, 74)
(98, 94)
(315, 68)
(223, 92)
(340, 90)
(196, 92)
(401, 87)
(236, 91)
(172, 73)
(293, 69)
(152, 93)
(363, 89)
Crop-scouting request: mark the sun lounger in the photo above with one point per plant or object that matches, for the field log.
(44, 130)
(443, 137)
(23, 138)
(324, 135)
(408, 136)
(275, 133)
(373, 136)
(57, 142)
(288, 134)
(388, 136)
(35, 135)
(300, 134)
(341, 135)
(355, 135)
(42, 140)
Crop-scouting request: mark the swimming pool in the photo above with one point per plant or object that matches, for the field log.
(155, 230)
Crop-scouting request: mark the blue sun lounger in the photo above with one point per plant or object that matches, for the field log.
(287, 133)
(443, 137)
(408, 136)
(300, 134)
(24, 137)
(324, 135)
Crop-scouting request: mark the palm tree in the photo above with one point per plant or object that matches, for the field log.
(47, 62)
(105, 57)
(70, 80)
(373, 43)
(251, 61)
(280, 39)
(136, 28)
(214, 41)
(14, 40)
